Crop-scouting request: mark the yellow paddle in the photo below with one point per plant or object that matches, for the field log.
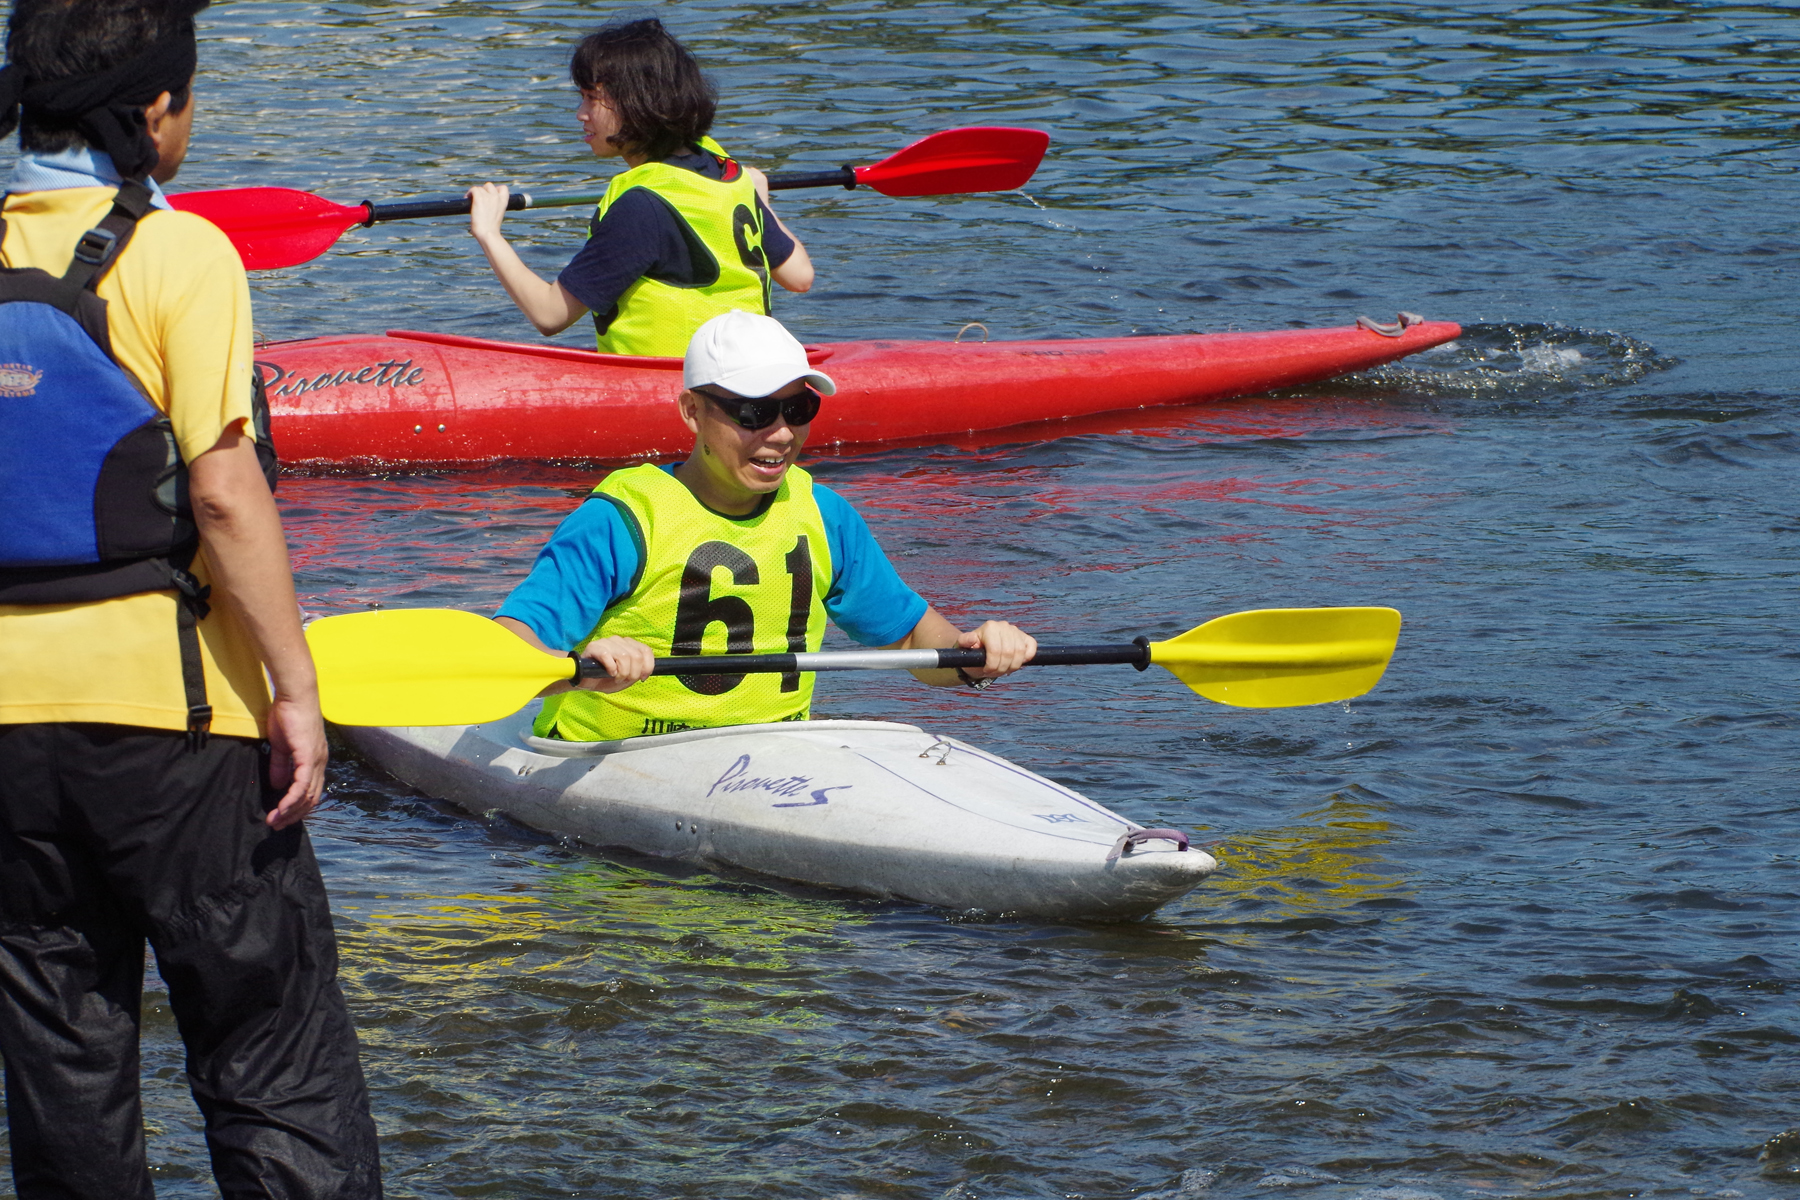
(442, 666)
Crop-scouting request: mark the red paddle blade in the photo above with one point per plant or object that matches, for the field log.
(980, 158)
(273, 227)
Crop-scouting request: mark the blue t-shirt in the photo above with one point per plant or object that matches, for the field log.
(591, 560)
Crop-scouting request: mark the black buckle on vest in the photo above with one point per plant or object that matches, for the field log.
(199, 727)
(193, 593)
(95, 245)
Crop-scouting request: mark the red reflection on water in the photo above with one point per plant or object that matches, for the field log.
(943, 482)
(1255, 418)
(467, 537)
(932, 494)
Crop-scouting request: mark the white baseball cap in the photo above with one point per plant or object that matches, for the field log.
(748, 355)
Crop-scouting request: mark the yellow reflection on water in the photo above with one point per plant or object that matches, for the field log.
(1326, 862)
(580, 924)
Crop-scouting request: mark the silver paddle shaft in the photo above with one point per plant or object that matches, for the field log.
(1136, 654)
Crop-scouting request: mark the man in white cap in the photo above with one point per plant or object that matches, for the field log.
(734, 550)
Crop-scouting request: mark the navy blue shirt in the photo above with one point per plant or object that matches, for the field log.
(642, 235)
(589, 563)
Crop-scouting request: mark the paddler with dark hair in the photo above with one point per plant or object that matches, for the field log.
(151, 789)
(736, 550)
(683, 234)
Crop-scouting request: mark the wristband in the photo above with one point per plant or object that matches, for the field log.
(970, 680)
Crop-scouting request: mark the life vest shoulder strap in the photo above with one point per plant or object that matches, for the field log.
(99, 248)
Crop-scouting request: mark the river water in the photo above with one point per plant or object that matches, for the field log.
(1521, 922)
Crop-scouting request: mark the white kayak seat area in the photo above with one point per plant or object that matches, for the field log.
(558, 748)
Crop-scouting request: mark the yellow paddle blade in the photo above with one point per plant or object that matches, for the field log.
(425, 666)
(1283, 657)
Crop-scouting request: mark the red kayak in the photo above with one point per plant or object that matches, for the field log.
(429, 398)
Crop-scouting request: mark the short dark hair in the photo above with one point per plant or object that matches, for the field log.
(663, 101)
(57, 39)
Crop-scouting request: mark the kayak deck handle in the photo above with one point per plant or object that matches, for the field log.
(1133, 838)
(1400, 324)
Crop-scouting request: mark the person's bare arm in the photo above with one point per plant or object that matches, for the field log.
(1008, 647)
(248, 555)
(626, 660)
(545, 302)
(796, 273)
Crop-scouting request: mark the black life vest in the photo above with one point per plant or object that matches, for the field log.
(92, 480)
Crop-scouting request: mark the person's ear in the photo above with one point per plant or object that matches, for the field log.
(690, 402)
(156, 112)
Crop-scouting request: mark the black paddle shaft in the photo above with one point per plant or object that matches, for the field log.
(408, 210)
(844, 177)
(1137, 655)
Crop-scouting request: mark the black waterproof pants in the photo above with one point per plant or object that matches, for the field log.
(111, 836)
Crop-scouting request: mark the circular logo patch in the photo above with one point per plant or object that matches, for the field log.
(18, 379)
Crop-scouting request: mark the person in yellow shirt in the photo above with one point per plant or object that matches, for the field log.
(151, 788)
(683, 234)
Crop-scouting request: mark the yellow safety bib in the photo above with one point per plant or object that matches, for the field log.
(708, 584)
(724, 230)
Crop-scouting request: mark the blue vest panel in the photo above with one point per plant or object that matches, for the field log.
(65, 406)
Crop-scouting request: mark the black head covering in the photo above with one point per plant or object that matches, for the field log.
(108, 108)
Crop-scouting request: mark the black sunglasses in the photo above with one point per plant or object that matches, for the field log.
(759, 412)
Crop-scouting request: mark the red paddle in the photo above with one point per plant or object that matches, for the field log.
(282, 227)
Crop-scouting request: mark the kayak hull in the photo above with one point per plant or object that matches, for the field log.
(439, 399)
(883, 809)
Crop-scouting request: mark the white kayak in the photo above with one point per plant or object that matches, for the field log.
(875, 807)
